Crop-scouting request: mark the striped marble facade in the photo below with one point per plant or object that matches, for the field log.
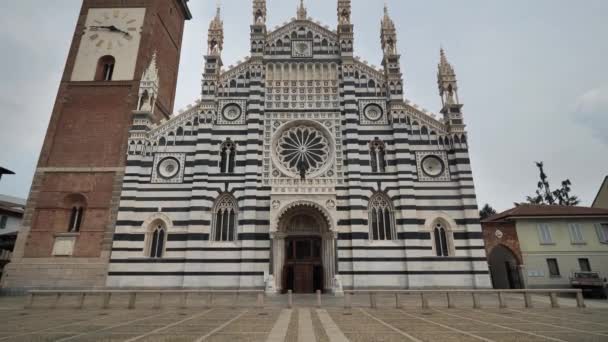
(327, 89)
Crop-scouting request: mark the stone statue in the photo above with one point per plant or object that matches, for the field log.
(302, 167)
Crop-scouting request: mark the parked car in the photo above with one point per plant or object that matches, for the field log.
(589, 282)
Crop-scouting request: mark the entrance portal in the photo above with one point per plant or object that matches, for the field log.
(303, 270)
(504, 268)
(303, 249)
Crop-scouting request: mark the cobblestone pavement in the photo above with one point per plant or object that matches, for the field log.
(239, 319)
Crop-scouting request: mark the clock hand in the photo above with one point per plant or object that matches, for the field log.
(116, 29)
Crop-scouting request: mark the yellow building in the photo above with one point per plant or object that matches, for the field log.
(552, 243)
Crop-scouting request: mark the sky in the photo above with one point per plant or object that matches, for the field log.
(532, 76)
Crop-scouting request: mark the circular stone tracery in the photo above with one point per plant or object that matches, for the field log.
(303, 146)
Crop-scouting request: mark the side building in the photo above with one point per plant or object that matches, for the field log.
(536, 246)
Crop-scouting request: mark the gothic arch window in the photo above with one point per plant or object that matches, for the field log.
(105, 68)
(441, 237)
(224, 219)
(377, 151)
(76, 205)
(381, 218)
(227, 156)
(157, 238)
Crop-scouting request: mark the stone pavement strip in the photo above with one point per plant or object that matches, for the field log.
(306, 323)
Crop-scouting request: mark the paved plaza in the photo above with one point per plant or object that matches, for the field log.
(229, 318)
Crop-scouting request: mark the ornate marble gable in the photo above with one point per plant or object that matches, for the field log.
(302, 29)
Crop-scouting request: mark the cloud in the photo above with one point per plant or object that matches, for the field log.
(592, 111)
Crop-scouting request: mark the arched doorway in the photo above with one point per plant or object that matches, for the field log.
(303, 250)
(504, 268)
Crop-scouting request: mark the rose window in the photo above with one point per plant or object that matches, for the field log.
(303, 147)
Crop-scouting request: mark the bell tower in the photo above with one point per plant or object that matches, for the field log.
(67, 230)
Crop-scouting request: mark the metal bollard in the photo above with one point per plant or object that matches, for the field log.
(29, 301)
(554, 301)
(106, 300)
(81, 300)
(424, 301)
(319, 299)
(502, 304)
(528, 300)
(209, 299)
(289, 299)
(580, 301)
(56, 302)
(372, 300)
(450, 301)
(476, 304)
(398, 301)
(183, 300)
(159, 301)
(260, 300)
(348, 302)
(132, 299)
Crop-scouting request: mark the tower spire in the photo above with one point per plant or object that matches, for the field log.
(345, 28)
(148, 87)
(391, 60)
(259, 12)
(448, 90)
(215, 39)
(302, 13)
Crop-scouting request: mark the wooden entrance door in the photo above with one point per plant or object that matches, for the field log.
(303, 265)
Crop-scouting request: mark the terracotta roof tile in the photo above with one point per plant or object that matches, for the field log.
(531, 210)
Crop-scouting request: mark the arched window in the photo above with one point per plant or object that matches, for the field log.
(75, 205)
(105, 68)
(225, 216)
(158, 236)
(75, 219)
(381, 218)
(227, 156)
(440, 235)
(377, 152)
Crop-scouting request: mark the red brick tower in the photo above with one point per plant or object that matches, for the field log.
(67, 229)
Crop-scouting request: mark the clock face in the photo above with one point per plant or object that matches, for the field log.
(432, 166)
(113, 29)
(112, 32)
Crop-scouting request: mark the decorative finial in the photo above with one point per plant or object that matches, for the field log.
(386, 8)
(302, 14)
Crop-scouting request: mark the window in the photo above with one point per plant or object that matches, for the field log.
(227, 156)
(381, 218)
(553, 267)
(75, 219)
(544, 232)
(584, 264)
(377, 156)
(225, 214)
(602, 232)
(441, 240)
(105, 68)
(157, 243)
(3, 220)
(576, 233)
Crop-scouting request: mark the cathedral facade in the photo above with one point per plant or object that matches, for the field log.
(301, 167)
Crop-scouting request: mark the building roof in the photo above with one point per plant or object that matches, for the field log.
(12, 204)
(533, 210)
(603, 187)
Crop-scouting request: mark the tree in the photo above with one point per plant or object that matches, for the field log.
(545, 196)
(486, 211)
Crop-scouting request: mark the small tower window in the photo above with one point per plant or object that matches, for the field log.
(227, 156)
(441, 240)
(381, 218)
(377, 156)
(75, 219)
(105, 68)
(157, 243)
(225, 214)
